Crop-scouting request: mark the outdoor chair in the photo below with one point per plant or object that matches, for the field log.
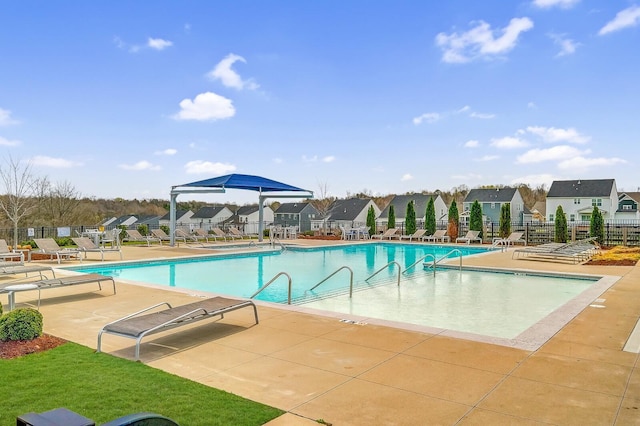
(8, 255)
(513, 239)
(470, 237)
(160, 235)
(49, 247)
(86, 245)
(439, 235)
(416, 235)
(184, 236)
(134, 235)
(388, 234)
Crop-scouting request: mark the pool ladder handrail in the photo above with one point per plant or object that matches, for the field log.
(272, 280)
(274, 240)
(446, 256)
(335, 272)
(420, 260)
(385, 267)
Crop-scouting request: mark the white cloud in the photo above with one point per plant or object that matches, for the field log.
(508, 142)
(488, 158)
(158, 43)
(567, 46)
(463, 109)
(581, 164)
(481, 115)
(472, 144)
(535, 180)
(480, 41)
(200, 166)
(406, 177)
(278, 160)
(5, 118)
(229, 77)
(553, 134)
(532, 105)
(168, 151)
(429, 117)
(628, 17)
(58, 163)
(559, 152)
(206, 106)
(329, 159)
(564, 4)
(7, 142)
(139, 166)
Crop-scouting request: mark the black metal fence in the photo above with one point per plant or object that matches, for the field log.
(615, 233)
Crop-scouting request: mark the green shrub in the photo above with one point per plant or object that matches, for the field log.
(143, 229)
(21, 324)
(64, 241)
(0, 309)
(166, 229)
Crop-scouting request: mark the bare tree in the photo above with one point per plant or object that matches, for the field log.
(20, 188)
(58, 203)
(323, 202)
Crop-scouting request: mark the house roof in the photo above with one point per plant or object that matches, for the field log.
(293, 208)
(120, 220)
(495, 195)
(540, 207)
(347, 209)
(246, 210)
(147, 219)
(179, 214)
(581, 188)
(207, 212)
(399, 203)
(635, 196)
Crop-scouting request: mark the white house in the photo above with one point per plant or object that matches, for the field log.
(248, 218)
(352, 212)
(578, 197)
(210, 217)
(182, 219)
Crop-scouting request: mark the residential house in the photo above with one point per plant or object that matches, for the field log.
(209, 217)
(628, 206)
(126, 220)
(536, 213)
(296, 214)
(247, 218)
(578, 197)
(420, 201)
(351, 213)
(491, 202)
(182, 219)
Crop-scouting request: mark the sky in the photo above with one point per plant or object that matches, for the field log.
(127, 99)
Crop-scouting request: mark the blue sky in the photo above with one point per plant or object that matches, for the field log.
(126, 99)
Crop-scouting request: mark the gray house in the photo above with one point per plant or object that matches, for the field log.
(628, 206)
(420, 201)
(491, 201)
(295, 214)
(352, 212)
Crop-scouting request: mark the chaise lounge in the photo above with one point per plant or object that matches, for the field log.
(137, 326)
(49, 247)
(85, 245)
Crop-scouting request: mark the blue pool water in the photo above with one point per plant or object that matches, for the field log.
(489, 303)
(243, 274)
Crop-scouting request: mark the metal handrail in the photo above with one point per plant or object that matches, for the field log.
(385, 267)
(420, 260)
(277, 240)
(269, 283)
(446, 256)
(335, 272)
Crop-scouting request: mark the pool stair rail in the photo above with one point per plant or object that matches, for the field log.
(388, 265)
(278, 275)
(446, 256)
(335, 272)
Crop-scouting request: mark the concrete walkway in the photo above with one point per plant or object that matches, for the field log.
(318, 368)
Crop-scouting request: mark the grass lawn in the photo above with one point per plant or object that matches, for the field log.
(103, 387)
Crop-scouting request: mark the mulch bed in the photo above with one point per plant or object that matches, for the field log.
(621, 262)
(17, 348)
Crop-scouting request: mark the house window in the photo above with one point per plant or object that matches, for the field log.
(576, 201)
(550, 218)
(572, 217)
(493, 205)
(596, 202)
(627, 207)
(585, 217)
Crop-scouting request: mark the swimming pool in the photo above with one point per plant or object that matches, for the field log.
(497, 304)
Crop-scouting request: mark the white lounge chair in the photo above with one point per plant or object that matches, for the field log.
(186, 237)
(86, 245)
(416, 235)
(50, 247)
(135, 235)
(439, 235)
(160, 235)
(513, 239)
(388, 234)
(8, 255)
(470, 237)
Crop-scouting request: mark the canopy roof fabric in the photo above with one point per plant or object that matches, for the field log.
(252, 183)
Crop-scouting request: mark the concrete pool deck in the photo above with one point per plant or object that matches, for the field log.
(319, 368)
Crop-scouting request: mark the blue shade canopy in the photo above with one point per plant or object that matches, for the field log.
(252, 183)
